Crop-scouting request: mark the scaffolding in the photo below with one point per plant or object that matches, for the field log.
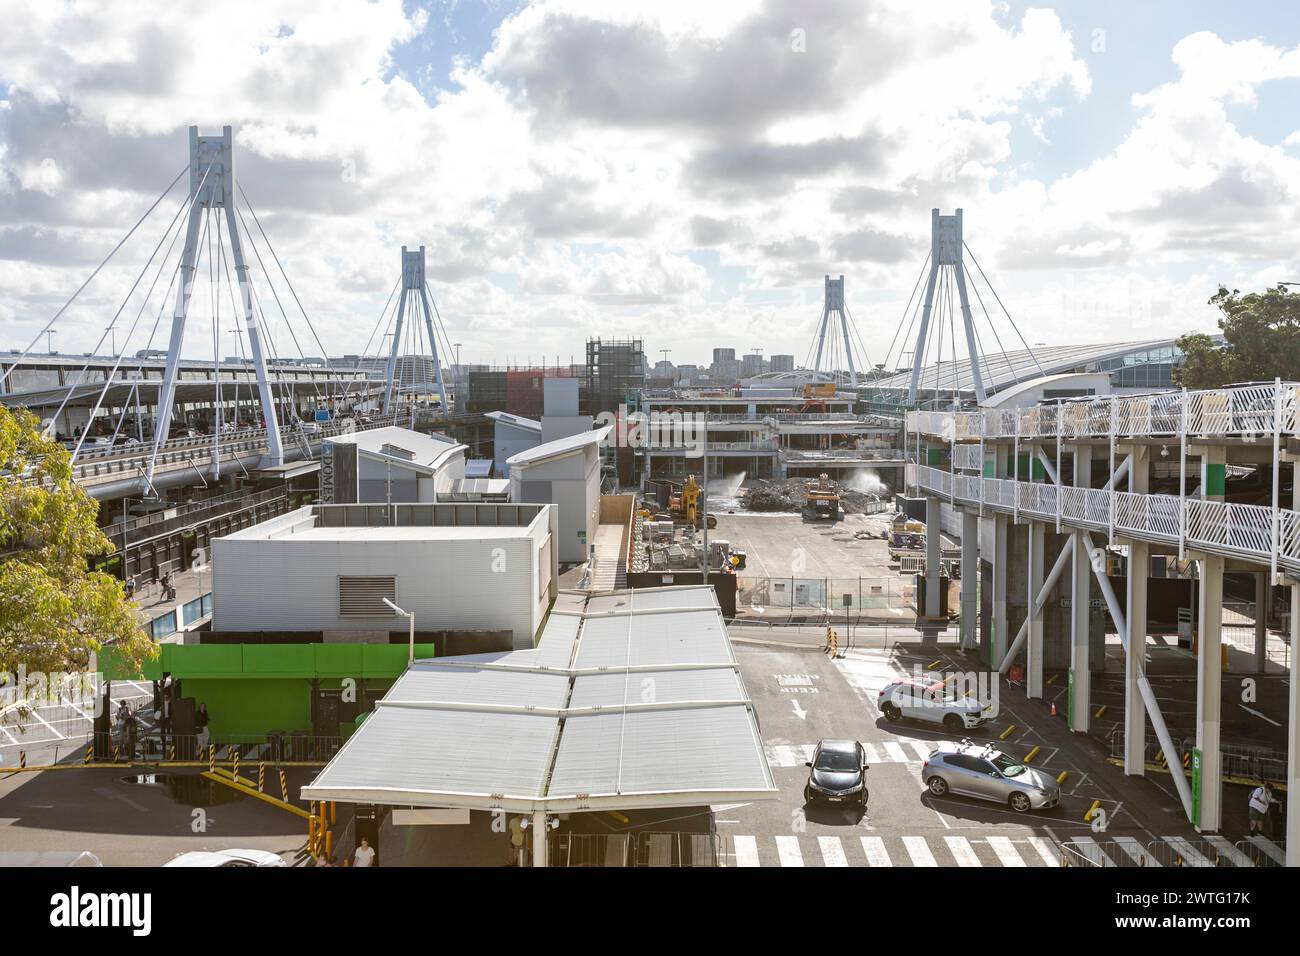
(615, 374)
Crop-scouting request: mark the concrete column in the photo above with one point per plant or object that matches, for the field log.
(1000, 639)
(1034, 637)
(933, 551)
(970, 576)
(1214, 470)
(539, 837)
(1135, 716)
(1263, 593)
(1080, 636)
(1209, 691)
(1293, 743)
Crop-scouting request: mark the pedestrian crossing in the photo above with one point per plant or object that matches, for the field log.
(879, 851)
(903, 751)
(982, 850)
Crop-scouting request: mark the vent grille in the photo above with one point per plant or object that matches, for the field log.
(364, 596)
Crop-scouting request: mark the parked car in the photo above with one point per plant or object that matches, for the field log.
(935, 703)
(837, 774)
(227, 858)
(987, 774)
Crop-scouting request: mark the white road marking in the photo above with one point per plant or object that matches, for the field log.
(1006, 851)
(1252, 710)
(799, 711)
(962, 851)
(1270, 848)
(1227, 849)
(919, 851)
(746, 850)
(874, 848)
(1046, 849)
(1136, 852)
(1089, 848)
(870, 753)
(1188, 851)
(922, 749)
(787, 848)
(896, 753)
(832, 851)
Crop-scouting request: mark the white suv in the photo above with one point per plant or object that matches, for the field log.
(934, 703)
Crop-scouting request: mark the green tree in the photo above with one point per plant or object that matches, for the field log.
(54, 610)
(1261, 332)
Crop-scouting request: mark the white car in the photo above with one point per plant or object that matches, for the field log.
(935, 703)
(227, 858)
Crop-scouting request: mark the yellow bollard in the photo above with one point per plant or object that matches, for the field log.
(617, 816)
(261, 776)
(22, 759)
(1052, 679)
(1100, 710)
(212, 758)
(1032, 754)
(329, 843)
(334, 810)
(90, 752)
(1091, 810)
(311, 834)
(934, 664)
(1007, 733)
(234, 760)
(284, 787)
(172, 750)
(1061, 779)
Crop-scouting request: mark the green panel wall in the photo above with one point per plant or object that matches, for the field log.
(253, 706)
(1216, 479)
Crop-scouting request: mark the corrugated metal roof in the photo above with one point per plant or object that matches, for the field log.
(428, 450)
(631, 699)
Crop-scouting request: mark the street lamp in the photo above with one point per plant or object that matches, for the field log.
(410, 618)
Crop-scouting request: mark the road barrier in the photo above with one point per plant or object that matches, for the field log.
(1164, 853)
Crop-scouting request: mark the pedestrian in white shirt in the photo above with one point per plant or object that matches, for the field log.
(1261, 802)
(364, 855)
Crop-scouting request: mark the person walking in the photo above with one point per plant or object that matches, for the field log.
(1261, 802)
(201, 728)
(364, 854)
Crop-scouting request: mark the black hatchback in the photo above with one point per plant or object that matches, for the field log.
(837, 774)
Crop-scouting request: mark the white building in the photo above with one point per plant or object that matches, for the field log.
(564, 472)
(389, 465)
(457, 567)
(511, 434)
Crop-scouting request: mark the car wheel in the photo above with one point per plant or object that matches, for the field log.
(891, 712)
(953, 722)
(1019, 802)
(863, 801)
(807, 794)
(937, 785)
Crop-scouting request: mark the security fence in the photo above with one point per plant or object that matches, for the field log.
(823, 595)
(1249, 762)
(1131, 853)
(635, 849)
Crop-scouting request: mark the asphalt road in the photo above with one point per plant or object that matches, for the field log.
(802, 696)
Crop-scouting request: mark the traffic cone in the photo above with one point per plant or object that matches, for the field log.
(1053, 708)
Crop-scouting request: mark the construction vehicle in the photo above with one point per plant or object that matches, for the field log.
(821, 501)
(677, 501)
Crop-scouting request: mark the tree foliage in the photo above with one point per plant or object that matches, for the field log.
(54, 610)
(1261, 332)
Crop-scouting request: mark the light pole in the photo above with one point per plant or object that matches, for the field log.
(410, 618)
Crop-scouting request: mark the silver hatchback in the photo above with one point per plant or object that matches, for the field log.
(988, 774)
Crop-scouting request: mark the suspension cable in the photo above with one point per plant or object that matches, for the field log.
(1004, 308)
(50, 324)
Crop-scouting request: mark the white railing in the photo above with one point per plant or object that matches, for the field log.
(1250, 532)
(1245, 411)
(968, 457)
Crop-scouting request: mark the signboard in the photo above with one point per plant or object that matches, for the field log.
(322, 414)
(1196, 786)
(428, 816)
(327, 473)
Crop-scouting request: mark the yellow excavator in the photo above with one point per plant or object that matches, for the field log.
(685, 504)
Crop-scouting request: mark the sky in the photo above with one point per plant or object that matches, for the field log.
(682, 172)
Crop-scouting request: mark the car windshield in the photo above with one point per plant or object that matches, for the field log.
(836, 761)
(1008, 766)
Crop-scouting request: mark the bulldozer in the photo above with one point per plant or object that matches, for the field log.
(821, 500)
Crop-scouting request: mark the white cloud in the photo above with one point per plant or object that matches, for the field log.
(562, 183)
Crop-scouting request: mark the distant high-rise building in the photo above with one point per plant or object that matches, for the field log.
(723, 355)
(781, 363)
(751, 365)
(615, 373)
